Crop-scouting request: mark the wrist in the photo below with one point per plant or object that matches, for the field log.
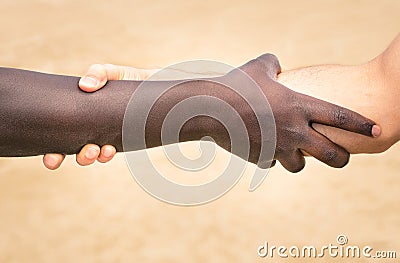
(207, 98)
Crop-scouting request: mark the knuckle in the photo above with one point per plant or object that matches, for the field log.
(268, 57)
(297, 135)
(270, 61)
(109, 67)
(115, 72)
(340, 117)
(97, 71)
(96, 67)
(299, 106)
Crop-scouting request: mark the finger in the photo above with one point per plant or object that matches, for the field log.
(294, 162)
(107, 152)
(98, 75)
(325, 150)
(127, 73)
(94, 79)
(53, 161)
(88, 154)
(333, 115)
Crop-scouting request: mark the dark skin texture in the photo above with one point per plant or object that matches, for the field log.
(294, 115)
(41, 113)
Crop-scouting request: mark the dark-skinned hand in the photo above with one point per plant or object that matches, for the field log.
(294, 115)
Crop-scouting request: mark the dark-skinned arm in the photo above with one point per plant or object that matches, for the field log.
(41, 113)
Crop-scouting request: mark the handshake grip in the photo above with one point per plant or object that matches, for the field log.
(44, 113)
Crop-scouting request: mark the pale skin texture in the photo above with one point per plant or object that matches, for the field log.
(369, 89)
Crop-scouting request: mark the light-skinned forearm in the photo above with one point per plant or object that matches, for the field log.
(370, 89)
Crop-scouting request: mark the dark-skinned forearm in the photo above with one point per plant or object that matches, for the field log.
(44, 113)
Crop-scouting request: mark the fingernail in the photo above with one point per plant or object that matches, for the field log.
(376, 131)
(91, 153)
(89, 82)
(107, 152)
(51, 161)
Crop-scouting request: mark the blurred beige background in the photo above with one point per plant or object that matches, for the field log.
(100, 214)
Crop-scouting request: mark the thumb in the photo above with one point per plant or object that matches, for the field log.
(94, 79)
(98, 75)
